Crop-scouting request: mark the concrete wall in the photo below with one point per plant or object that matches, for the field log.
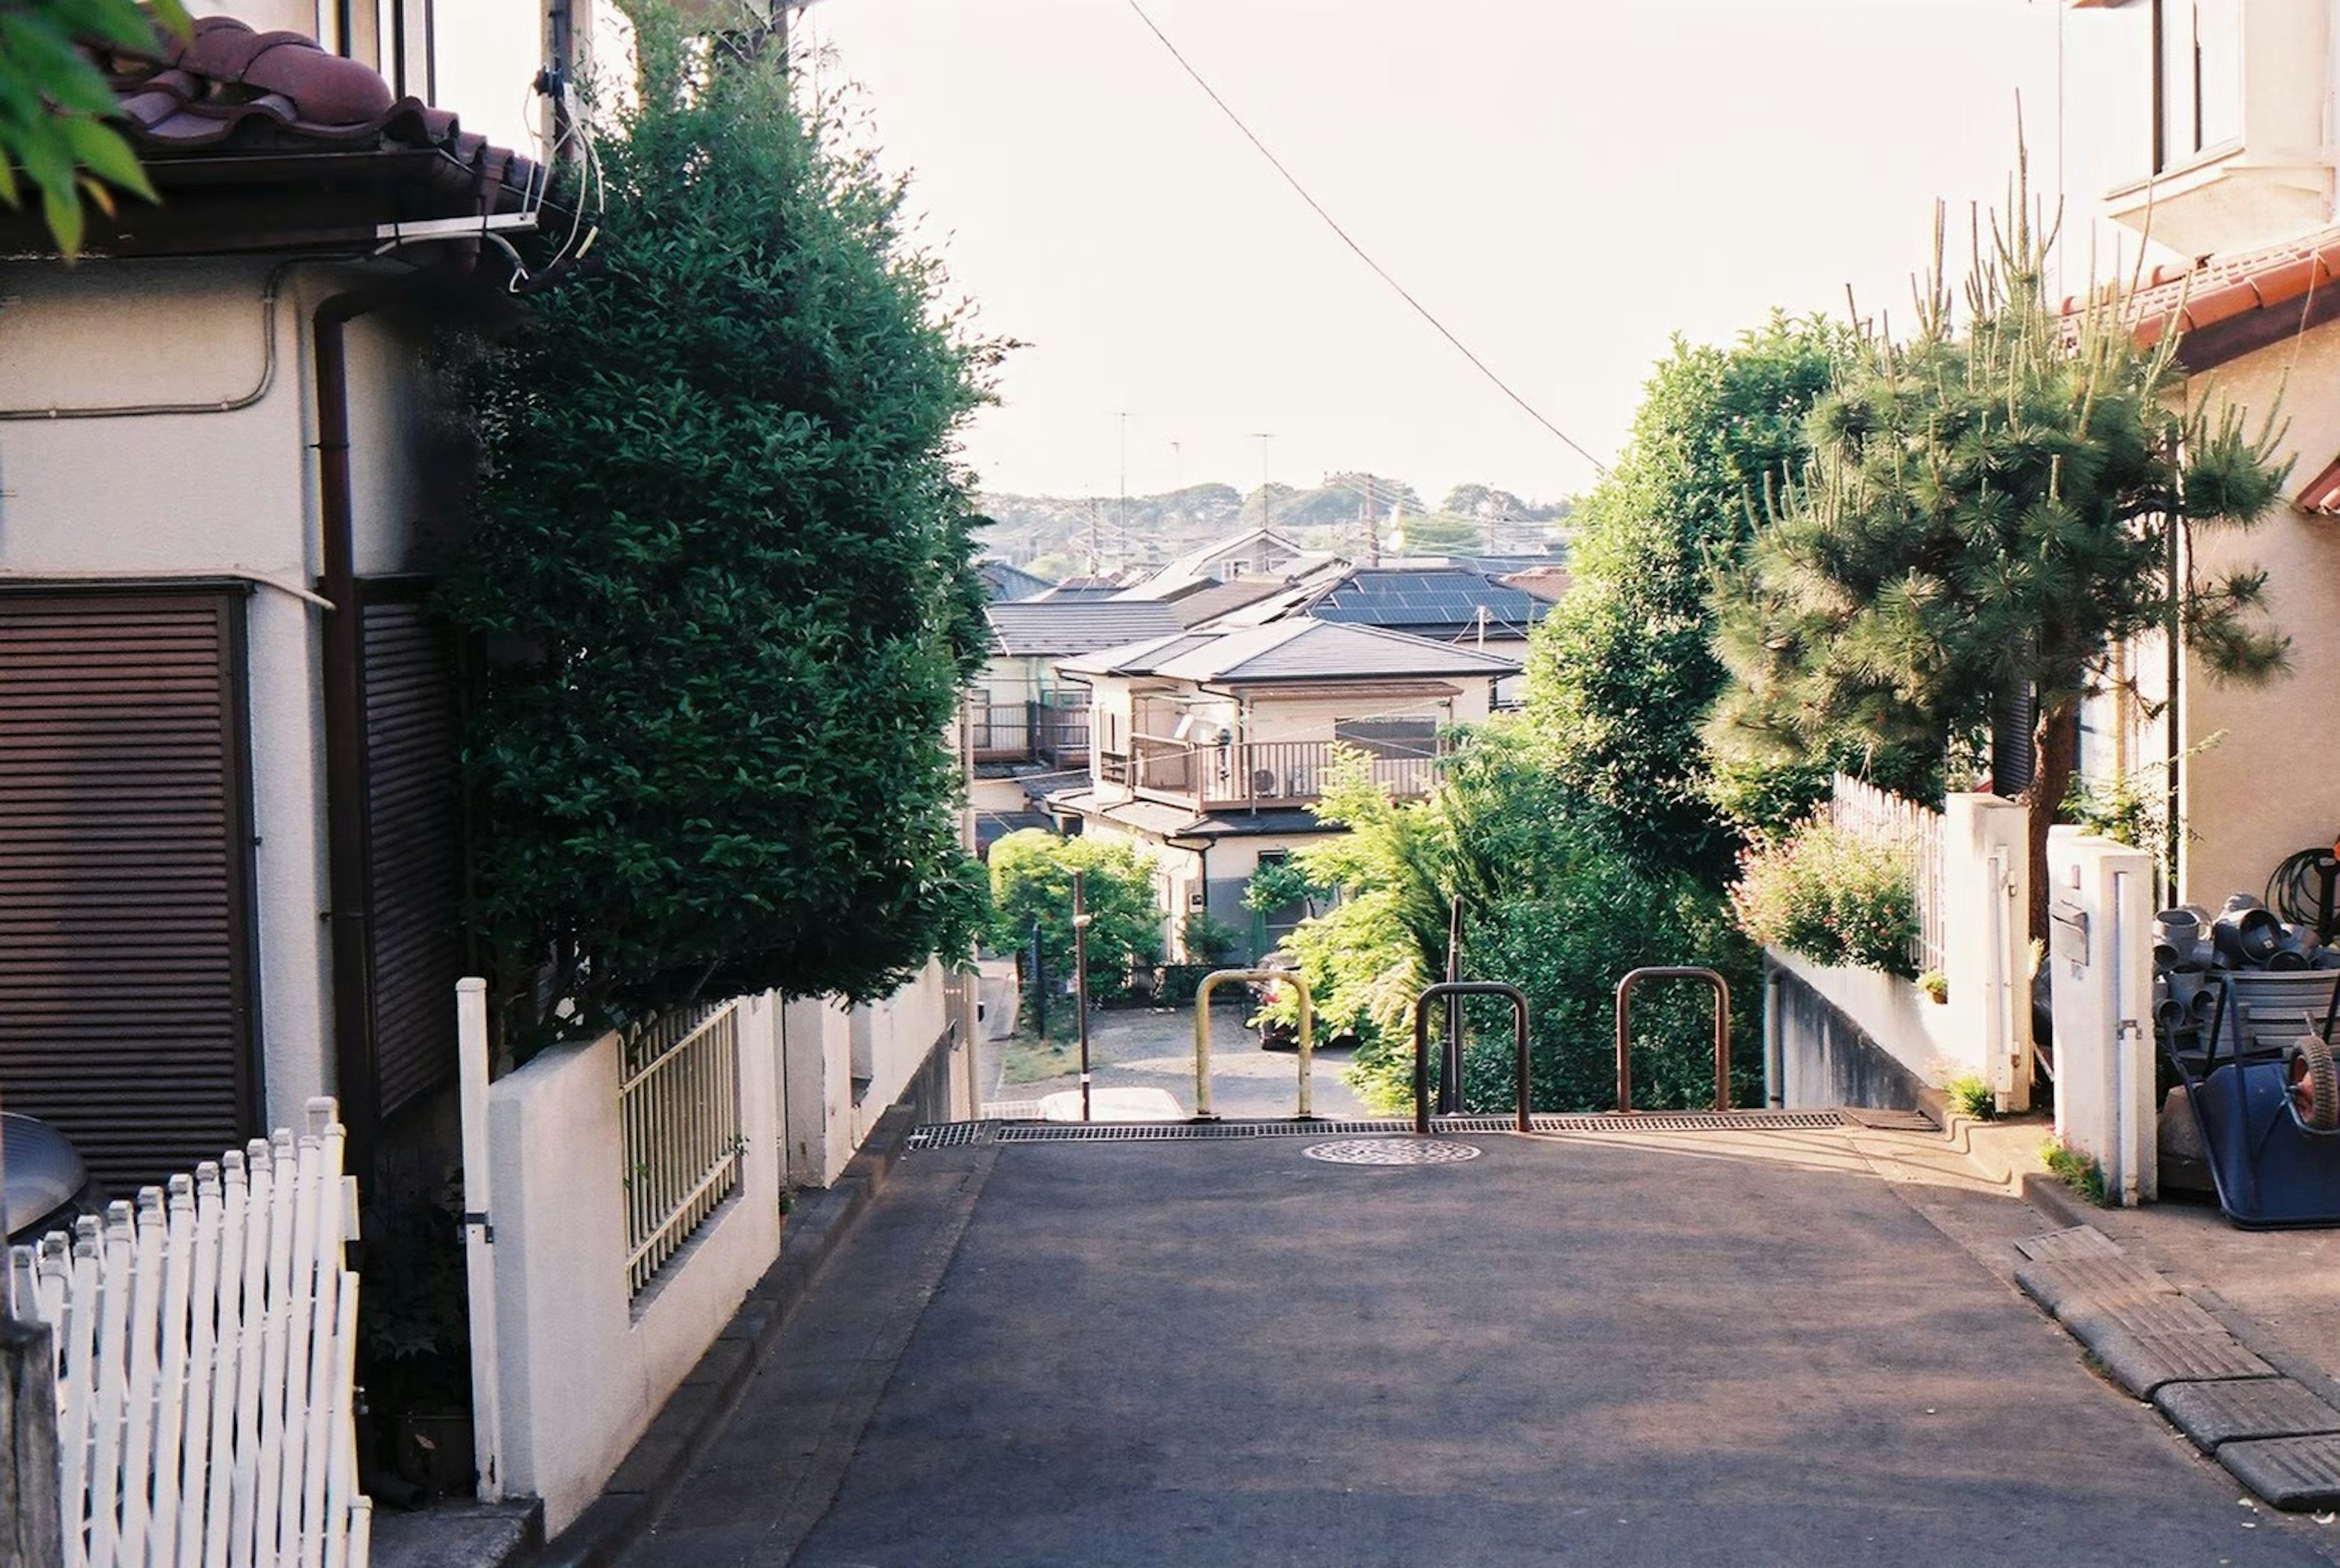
(583, 1368)
(842, 1067)
(1843, 1035)
(1818, 1055)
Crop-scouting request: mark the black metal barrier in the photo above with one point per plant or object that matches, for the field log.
(1721, 1029)
(1421, 1042)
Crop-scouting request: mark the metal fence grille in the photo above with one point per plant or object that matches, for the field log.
(679, 1107)
(1880, 816)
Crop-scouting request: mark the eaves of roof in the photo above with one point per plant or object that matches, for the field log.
(266, 141)
(2225, 307)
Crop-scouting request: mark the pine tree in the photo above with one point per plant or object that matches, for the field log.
(1989, 507)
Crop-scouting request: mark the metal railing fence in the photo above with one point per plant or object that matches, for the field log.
(678, 1106)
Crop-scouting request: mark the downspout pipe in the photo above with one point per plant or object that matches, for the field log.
(350, 890)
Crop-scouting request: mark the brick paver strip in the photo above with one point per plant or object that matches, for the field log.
(2296, 1473)
(2142, 1362)
(2061, 1286)
(2212, 1413)
(2145, 1316)
(2061, 1245)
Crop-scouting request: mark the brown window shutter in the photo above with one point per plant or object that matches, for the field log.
(127, 993)
(414, 853)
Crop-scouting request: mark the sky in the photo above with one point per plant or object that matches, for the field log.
(1565, 184)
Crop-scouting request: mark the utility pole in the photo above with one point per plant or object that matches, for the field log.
(1266, 514)
(1081, 983)
(1123, 469)
(1373, 527)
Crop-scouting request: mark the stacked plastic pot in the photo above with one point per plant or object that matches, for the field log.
(2241, 950)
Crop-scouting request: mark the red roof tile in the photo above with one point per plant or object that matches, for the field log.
(2322, 493)
(230, 89)
(2252, 298)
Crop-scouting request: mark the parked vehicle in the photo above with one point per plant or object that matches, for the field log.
(43, 1182)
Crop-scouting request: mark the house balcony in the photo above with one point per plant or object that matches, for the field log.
(1239, 775)
(1039, 732)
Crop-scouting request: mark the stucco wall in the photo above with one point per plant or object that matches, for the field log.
(2265, 789)
(842, 1067)
(211, 493)
(583, 1367)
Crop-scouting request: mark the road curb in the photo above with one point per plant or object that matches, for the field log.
(639, 1491)
(2220, 1362)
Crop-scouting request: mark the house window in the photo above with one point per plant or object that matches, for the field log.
(2198, 88)
(1389, 737)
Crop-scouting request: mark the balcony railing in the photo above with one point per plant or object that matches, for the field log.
(1256, 772)
(1031, 732)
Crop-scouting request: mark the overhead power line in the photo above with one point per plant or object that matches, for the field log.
(1380, 272)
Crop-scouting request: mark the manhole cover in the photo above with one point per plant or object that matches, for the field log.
(1391, 1152)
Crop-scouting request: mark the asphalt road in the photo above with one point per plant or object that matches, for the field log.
(1153, 1048)
(1585, 1351)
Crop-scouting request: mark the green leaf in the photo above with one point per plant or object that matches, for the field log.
(103, 152)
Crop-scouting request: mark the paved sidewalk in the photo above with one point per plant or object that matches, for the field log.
(1738, 1348)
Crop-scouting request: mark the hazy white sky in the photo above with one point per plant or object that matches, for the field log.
(1566, 184)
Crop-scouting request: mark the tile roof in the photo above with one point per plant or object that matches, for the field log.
(1546, 582)
(2222, 307)
(1298, 649)
(1209, 603)
(2321, 494)
(1052, 628)
(229, 89)
(1006, 582)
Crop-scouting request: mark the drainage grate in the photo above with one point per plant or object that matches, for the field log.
(954, 1134)
(1391, 1152)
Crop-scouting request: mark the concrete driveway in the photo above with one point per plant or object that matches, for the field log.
(1748, 1348)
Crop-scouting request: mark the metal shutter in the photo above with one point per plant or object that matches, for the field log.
(413, 851)
(126, 987)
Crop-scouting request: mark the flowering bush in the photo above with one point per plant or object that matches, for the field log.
(1830, 897)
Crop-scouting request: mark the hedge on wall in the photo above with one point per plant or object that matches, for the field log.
(721, 556)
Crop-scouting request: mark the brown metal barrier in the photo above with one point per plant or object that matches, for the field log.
(1721, 1029)
(1422, 1043)
(1203, 1033)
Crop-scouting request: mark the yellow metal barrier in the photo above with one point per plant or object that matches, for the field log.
(1202, 1032)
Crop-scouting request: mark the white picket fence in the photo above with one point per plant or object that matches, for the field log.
(206, 1343)
(1880, 817)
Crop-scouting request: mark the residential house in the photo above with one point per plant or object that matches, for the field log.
(229, 865)
(1026, 729)
(1252, 552)
(1208, 747)
(1003, 581)
(1442, 599)
(2204, 129)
